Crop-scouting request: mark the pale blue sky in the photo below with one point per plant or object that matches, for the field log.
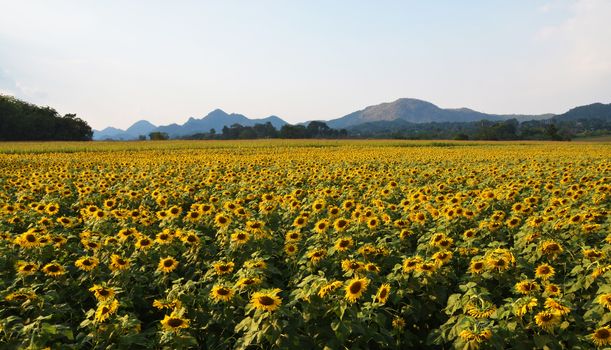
(115, 62)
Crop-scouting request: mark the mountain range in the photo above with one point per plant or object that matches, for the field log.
(398, 114)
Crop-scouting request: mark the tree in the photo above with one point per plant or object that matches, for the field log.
(21, 121)
(159, 136)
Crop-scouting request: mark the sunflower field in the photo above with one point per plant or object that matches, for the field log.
(305, 244)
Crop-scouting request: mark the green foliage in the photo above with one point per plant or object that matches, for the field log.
(22, 121)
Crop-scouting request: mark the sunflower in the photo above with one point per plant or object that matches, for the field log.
(383, 293)
(144, 243)
(105, 309)
(526, 287)
(167, 264)
(476, 266)
(373, 223)
(174, 322)
(20, 296)
(127, 233)
(117, 263)
(340, 225)
(547, 320)
(355, 288)
(26, 268)
(240, 237)
(190, 238)
(266, 300)
(525, 305)
(442, 257)
(398, 323)
(329, 288)
(602, 336)
(255, 264)
(343, 244)
(544, 271)
(371, 267)
(410, 264)
(87, 263)
(349, 265)
(165, 304)
(469, 234)
(223, 268)
(53, 270)
(513, 222)
(247, 282)
(164, 237)
(552, 289)
(480, 312)
(221, 293)
(28, 240)
(102, 293)
(604, 300)
(300, 221)
(52, 209)
(222, 220)
(290, 249)
(551, 247)
(556, 308)
(426, 267)
(317, 255)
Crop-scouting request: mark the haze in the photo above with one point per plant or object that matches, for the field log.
(115, 62)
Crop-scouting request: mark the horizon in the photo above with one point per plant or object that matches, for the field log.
(302, 61)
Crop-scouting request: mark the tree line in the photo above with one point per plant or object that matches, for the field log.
(512, 129)
(315, 129)
(22, 121)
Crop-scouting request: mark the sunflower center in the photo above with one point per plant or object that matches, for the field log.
(383, 293)
(53, 268)
(356, 287)
(103, 292)
(168, 263)
(87, 262)
(30, 238)
(602, 333)
(223, 291)
(266, 301)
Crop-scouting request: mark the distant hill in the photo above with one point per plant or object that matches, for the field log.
(137, 129)
(418, 111)
(216, 120)
(598, 111)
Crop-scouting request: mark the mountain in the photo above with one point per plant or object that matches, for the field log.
(216, 120)
(137, 129)
(141, 127)
(598, 111)
(417, 111)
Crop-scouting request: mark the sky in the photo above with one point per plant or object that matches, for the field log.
(116, 62)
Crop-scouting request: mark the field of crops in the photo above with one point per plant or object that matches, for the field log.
(305, 244)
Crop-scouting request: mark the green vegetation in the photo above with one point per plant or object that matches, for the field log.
(22, 121)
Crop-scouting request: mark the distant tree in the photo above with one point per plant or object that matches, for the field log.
(20, 121)
(142, 137)
(158, 136)
(212, 131)
(461, 137)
